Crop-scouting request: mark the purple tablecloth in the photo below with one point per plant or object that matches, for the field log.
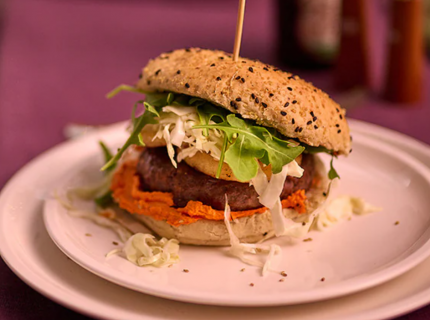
(59, 58)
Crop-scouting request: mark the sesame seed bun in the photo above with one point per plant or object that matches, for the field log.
(249, 229)
(254, 90)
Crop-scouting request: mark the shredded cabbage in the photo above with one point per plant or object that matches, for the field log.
(122, 232)
(92, 191)
(239, 250)
(141, 249)
(144, 250)
(176, 124)
(342, 208)
(270, 191)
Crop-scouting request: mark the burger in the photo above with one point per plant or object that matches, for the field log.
(217, 133)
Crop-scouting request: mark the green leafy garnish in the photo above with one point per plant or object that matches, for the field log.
(206, 112)
(146, 118)
(123, 87)
(104, 200)
(253, 142)
(332, 174)
(159, 99)
(314, 150)
(106, 152)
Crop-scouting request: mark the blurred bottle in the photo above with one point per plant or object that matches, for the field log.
(308, 32)
(427, 25)
(352, 66)
(405, 65)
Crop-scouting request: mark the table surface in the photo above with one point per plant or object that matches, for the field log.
(59, 58)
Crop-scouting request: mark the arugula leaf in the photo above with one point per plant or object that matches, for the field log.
(106, 153)
(332, 174)
(314, 150)
(159, 99)
(242, 157)
(146, 118)
(252, 143)
(123, 87)
(206, 112)
(104, 200)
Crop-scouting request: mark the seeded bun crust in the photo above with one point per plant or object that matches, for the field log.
(255, 90)
(248, 229)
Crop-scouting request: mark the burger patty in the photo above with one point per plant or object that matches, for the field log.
(185, 183)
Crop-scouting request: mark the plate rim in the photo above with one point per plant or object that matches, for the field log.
(406, 305)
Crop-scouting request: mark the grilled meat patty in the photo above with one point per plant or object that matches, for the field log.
(185, 183)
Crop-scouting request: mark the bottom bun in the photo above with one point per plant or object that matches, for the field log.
(248, 229)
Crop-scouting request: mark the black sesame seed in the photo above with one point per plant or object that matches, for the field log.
(294, 101)
(257, 100)
(286, 104)
(350, 150)
(297, 129)
(187, 85)
(291, 77)
(337, 125)
(312, 114)
(178, 72)
(293, 121)
(218, 78)
(314, 119)
(309, 122)
(264, 105)
(148, 82)
(187, 50)
(315, 90)
(221, 58)
(339, 131)
(316, 127)
(243, 61)
(250, 69)
(237, 78)
(337, 109)
(283, 113)
(324, 194)
(264, 234)
(271, 95)
(157, 72)
(301, 129)
(213, 65)
(341, 117)
(233, 104)
(266, 69)
(243, 80)
(140, 76)
(252, 96)
(289, 88)
(238, 99)
(275, 70)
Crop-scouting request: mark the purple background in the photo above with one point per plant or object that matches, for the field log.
(59, 58)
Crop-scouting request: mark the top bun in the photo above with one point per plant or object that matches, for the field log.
(257, 91)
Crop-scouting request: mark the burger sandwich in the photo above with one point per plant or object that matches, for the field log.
(213, 132)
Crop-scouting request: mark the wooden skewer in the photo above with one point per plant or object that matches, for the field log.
(239, 27)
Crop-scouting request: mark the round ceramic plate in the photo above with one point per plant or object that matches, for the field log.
(352, 256)
(30, 253)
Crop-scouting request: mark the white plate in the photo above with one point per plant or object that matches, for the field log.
(357, 255)
(28, 250)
